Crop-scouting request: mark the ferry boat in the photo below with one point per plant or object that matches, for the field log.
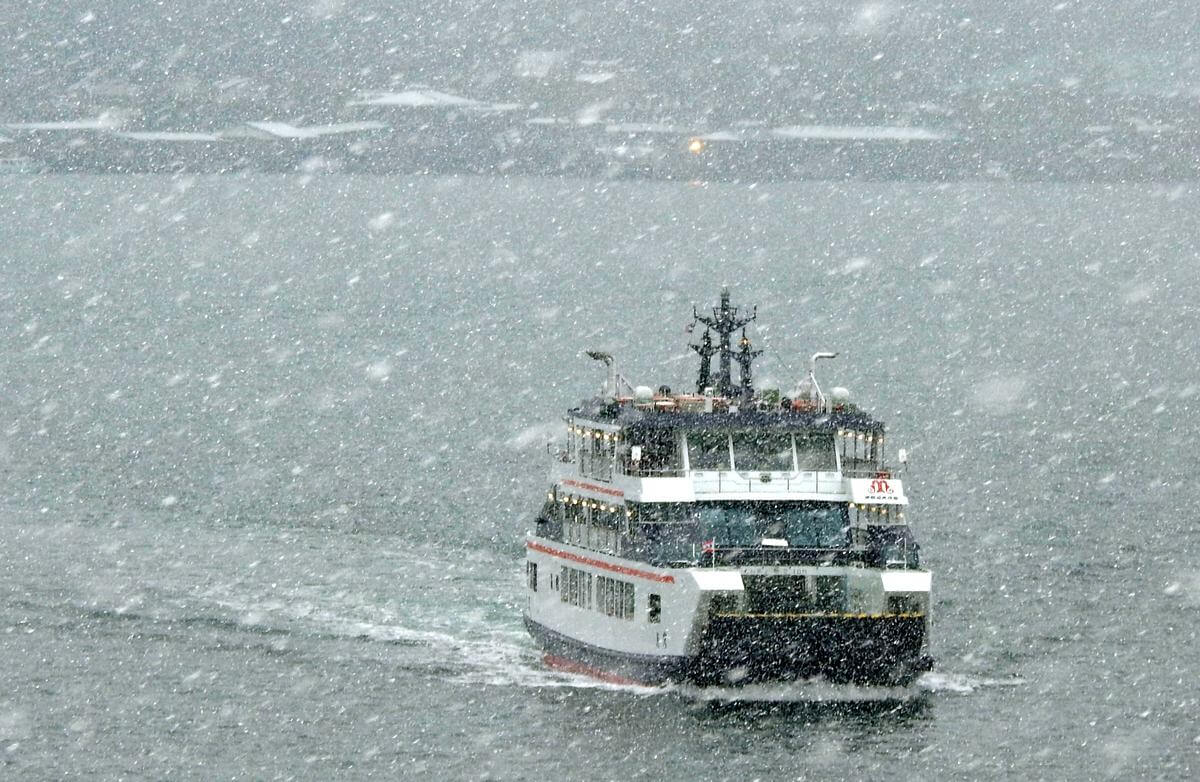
(726, 536)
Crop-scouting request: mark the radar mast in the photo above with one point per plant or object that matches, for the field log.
(744, 357)
(724, 321)
(706, 349)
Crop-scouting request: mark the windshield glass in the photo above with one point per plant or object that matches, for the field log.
(759, 450)
(681, 530)
(801, 524)
(815, 452)
(708, 450)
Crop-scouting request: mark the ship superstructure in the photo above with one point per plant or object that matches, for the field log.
(726, 536)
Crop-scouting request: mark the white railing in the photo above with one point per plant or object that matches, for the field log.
(728, 482)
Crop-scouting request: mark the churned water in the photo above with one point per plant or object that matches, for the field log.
(269, 446)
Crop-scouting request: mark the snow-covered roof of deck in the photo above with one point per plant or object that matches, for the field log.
(634, 419)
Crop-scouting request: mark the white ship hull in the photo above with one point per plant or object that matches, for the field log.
(706, 629)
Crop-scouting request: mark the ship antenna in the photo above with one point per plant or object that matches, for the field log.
(744, 357)
(706, 349)
(725, 322)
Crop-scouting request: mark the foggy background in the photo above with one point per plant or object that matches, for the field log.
(981, 70)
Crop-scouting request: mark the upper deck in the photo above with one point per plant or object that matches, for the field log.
(648, 452)
(726, 441)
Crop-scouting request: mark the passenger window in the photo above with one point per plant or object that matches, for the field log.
(654, 612)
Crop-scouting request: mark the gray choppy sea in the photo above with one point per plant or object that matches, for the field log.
(269, 446)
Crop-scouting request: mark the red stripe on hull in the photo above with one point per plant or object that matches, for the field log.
(625, 571)
(570, 666)
(593, 487)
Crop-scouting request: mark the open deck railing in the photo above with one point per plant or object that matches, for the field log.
(867, 472)
(638, 471)
(819, 482)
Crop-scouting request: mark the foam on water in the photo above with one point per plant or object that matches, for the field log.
(478, 648)
(961, 683)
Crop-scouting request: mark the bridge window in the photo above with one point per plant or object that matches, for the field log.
(763, 451)
(814, 452)
(659, 454)
(708, 450)
(801, 524)
(592, 524)
(667, 533)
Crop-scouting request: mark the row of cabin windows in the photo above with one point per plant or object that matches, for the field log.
(750, 450)
(680, 512)
(620, 530)
(762, 594)
(593, 449)
(575, 587)
(572, 511)
(759, 451)
(676, 532)
(614, 597)
(860, 450)
(801, 594)
(589, 524)
(591, 536)
(610, 596)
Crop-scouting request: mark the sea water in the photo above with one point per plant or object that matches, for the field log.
(270, 445)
